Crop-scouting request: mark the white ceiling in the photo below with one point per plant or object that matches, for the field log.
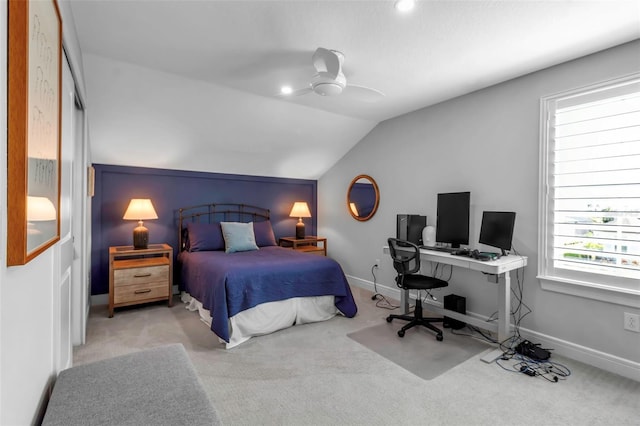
(441, 50)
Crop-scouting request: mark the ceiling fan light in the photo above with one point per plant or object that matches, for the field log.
(404, 5)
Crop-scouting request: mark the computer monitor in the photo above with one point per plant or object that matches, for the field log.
(496, 229)
(452, 222)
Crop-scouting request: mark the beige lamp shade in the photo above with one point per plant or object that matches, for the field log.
(300, 209)
(40, 209)
(354, 209)
(140, 209)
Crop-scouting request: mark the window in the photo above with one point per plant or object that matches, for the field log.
(589, 228)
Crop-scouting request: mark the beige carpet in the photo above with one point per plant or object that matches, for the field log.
(418, 351)
(314, 374)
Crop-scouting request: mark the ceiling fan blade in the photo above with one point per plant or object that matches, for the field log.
(363, 93)
(302, 91)
(327, 61)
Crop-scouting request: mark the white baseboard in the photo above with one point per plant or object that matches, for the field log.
(393, 293)
(608, 362)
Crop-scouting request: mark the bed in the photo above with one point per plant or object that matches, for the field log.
(233, 273)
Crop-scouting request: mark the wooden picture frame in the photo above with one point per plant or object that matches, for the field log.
(34, 128)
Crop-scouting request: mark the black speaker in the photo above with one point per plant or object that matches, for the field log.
(458, 304)
(409, 228)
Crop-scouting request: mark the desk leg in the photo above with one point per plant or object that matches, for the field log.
(504, 307)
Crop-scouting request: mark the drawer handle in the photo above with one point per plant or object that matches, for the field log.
(146, 290)
(142, 275)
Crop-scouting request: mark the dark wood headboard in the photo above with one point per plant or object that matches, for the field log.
(218, 212)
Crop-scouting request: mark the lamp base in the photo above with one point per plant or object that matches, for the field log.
(140, 237)
(300, 230)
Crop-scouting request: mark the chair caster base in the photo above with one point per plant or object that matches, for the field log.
(439, 337)
(389, 319)
(401, 333)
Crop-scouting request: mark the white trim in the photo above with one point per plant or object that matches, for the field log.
(393, 293)
(581, 284)
(608, 362)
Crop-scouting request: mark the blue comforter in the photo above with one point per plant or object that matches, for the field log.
(228, 283)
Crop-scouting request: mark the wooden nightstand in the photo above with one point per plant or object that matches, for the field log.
(308, 244)
(140, 276)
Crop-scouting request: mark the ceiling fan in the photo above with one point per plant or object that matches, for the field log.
(330, 80)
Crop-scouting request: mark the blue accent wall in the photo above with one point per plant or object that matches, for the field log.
(170, 190)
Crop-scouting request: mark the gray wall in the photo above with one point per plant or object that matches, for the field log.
(487, 143)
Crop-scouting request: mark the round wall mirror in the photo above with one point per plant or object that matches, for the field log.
(363, 197)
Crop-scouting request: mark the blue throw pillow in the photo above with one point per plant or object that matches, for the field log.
(264, 234)
(238, 236)
(205, 236)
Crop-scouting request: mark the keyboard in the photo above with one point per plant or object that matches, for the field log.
(443, 249)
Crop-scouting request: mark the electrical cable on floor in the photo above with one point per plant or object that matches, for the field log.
(475, 331)
(548, 370)
(381, 300)
(517, 313)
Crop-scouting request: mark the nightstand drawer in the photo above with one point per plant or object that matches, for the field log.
(312, 250)
(139, 292)
(136, 276)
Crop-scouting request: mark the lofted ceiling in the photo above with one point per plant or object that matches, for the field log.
(442, 49)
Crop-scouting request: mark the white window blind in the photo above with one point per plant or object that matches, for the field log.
(590, 186)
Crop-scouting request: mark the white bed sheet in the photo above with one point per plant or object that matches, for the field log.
(269, 317)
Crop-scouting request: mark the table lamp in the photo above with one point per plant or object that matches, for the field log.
(300, 209)
(354, 209)
(39, 209)
(140, 209)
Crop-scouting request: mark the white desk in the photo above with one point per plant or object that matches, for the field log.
(501, 268)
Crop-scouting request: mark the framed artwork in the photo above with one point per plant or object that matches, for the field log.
(34, 128)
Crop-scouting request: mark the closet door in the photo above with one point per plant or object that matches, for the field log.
(80, 229)
(62, 308)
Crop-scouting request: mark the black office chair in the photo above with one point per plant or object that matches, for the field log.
(406, 261)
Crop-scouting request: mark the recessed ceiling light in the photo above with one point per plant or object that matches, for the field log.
(405, 5)
(286, 90)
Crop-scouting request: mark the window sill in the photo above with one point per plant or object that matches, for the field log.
(603, 293)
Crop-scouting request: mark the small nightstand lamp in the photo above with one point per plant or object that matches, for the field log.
(300, 209)
(354, 209)
(39, 209)
(140, 209)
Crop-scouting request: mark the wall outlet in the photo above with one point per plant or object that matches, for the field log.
(632, 322)
(377, 264)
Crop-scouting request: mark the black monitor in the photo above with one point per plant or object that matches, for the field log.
(497, 230)
(452, 222)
